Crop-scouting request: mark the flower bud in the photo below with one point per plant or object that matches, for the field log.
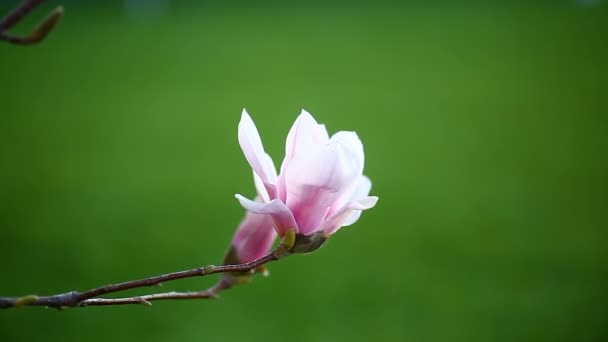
(252, 240)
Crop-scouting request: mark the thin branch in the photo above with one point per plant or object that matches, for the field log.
(19, 12)
(213, 292)
(36, 35)
(75, 298)
(146, 299)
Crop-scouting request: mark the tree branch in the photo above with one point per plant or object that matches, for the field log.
(39, 33)
(89, 298)
(213, 292)
(19, 12)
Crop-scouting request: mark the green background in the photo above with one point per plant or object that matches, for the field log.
(485, 131)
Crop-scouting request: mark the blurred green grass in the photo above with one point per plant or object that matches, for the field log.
(485, 134)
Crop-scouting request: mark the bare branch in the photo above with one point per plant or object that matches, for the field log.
(39, 33)
(225, 283)
(19, 12)
(89, 298)
(146, 299)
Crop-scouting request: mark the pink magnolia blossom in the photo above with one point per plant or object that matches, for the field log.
(321, 186)
(252, 240)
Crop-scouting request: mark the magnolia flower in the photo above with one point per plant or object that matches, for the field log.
(321, 186)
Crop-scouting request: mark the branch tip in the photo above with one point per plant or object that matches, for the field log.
(38, 33)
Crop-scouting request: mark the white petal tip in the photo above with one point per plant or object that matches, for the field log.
(364, 203)
(305, 115)
(245, 116)
(241, 198)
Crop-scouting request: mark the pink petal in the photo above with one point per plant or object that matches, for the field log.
(253, 237)
(304, 132)
(316, 178)
(252, 147)
(339, 219)
(260, 187)
(361, 191)
(351, 143)
(281, 215)
(351, 219)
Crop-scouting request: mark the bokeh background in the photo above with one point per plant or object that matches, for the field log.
(485, 132)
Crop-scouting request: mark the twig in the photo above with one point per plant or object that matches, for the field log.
(89, 298)
(19, 12)
(39, 33)
(213, 292)
(146, 299)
